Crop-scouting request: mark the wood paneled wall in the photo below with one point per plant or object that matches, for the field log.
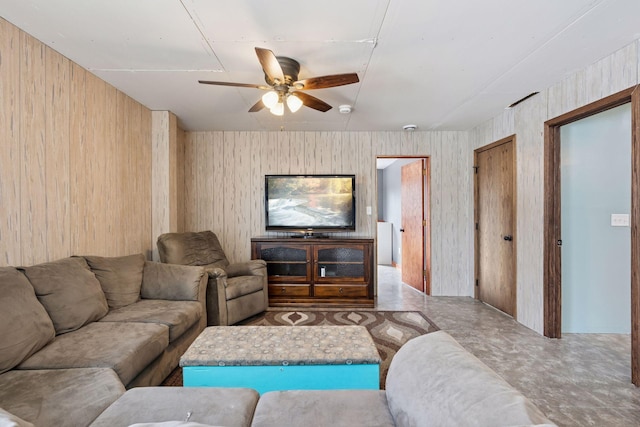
(75, 159)
(224, 186)
(616, 72)
(167, 175)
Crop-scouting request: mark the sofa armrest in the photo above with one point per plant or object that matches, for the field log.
(173, 282)
(431, 371)
(254, 267)
(216, 296)
(217, 310)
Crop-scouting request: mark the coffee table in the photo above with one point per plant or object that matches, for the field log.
(268, 358)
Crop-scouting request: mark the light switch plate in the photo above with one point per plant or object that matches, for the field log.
(619, 220)
(368, 210)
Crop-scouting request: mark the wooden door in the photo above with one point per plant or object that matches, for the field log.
(413, 224)
(495, 225)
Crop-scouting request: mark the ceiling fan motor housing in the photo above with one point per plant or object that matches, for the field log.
(290, 69)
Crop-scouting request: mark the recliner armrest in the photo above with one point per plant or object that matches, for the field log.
(216, 272)
(254, 267)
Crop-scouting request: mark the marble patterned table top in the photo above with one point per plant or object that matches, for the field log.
(281, 345)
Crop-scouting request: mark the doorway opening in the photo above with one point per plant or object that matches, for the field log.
(403, 234)
(595, 186)
(553, 217)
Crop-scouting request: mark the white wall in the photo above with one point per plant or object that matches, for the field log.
(380, 177)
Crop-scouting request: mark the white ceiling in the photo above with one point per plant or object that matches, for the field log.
(439, 64)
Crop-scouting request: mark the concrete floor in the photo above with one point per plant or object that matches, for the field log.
(579, 380)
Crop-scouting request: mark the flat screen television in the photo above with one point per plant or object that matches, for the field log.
(310, 203)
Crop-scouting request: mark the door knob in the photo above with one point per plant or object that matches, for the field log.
(508, 238)
(402, 230)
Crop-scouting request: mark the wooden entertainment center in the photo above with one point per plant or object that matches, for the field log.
(317, 271)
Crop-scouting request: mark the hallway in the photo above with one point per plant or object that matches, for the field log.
(579, 380)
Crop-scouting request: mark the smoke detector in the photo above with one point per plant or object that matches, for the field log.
(409, 128)
(344, 109)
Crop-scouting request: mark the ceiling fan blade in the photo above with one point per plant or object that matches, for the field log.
(270, 65)
(313, 102)
(327, 81)
(208, 82)
(257, 106)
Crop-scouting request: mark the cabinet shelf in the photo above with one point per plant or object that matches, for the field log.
(324, 271)
(339, 263)
(287, 262)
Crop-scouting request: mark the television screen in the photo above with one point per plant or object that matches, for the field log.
(310, 202)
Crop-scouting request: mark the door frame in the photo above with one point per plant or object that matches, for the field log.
(476, 213)
(552, 292)
(426, 208)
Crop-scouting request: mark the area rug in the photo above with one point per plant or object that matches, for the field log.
(389, 330)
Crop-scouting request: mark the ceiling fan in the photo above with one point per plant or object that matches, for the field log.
(283, 86)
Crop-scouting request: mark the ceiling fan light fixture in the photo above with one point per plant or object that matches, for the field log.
(270, 99)
(278, 109)
(281, 76)
(294, 103)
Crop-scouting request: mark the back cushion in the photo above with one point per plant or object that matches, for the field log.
(120, 278)
(25, 326)
(69, 291)
(201, 248)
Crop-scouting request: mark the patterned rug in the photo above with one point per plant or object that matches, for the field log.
(389, 330)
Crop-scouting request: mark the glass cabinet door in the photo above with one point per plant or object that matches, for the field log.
(287, 263)
(339, 263)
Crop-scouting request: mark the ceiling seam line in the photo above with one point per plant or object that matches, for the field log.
(204, 37)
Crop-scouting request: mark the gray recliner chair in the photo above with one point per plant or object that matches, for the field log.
(235, 291)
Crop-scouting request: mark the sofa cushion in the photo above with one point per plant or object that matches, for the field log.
(127, 348)
(25, 326)
(323, 408)
(59, 397)
(179, 316)
(208, 405)
(243, 285)
(9, 420)
(119, 277)
(192, 248)
(69, 291)
(172, 424)
(434, 381)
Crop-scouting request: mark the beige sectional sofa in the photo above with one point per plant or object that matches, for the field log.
(432, 381)
(77, 332)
